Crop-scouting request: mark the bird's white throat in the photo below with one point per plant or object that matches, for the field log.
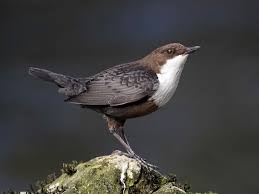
(168, 79)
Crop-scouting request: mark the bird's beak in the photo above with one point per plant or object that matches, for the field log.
(190, 50)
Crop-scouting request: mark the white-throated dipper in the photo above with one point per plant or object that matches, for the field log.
(127, 90)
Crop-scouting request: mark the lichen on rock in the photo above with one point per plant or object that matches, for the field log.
(113, 174)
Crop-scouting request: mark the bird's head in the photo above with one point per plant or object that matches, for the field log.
(170, 55)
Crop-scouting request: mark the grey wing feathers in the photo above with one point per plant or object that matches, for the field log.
(69, 86)
(118, 86)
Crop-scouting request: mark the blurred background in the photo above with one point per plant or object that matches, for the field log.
(209, 132)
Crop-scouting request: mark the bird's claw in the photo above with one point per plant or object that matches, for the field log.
(143, 162)
(121, 153)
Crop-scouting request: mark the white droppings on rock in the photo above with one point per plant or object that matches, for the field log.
(133, 167)
(119, 162)
(53, 187)
(129, 167)
(123, 175)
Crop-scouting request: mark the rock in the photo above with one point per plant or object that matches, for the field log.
(112, 174)
(169, 188)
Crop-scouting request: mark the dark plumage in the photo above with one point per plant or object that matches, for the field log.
(120, 85)
(69, 86)
(125, 91)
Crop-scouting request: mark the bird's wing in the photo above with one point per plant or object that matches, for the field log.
(118, 86)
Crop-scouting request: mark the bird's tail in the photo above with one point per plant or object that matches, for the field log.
(69, 86)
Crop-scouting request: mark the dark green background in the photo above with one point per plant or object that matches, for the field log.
(208, 134)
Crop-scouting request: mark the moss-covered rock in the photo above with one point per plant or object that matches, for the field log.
(112, 174)
(169, 188)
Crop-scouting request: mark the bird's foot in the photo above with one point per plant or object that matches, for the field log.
(121, 153)
(143, 162)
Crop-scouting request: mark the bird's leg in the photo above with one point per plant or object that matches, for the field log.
(117, 133)
(116, 128)
(120, 136)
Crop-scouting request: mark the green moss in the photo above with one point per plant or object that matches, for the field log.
(96, 176)
(69, 169)
(113, 174)
(169, 188)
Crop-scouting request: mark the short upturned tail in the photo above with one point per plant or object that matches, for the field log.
(69, 86)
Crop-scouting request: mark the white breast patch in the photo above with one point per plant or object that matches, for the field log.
(168, 79)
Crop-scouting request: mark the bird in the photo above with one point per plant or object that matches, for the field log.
(127, 90)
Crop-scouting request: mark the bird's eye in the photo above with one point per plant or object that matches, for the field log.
(169, 51)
